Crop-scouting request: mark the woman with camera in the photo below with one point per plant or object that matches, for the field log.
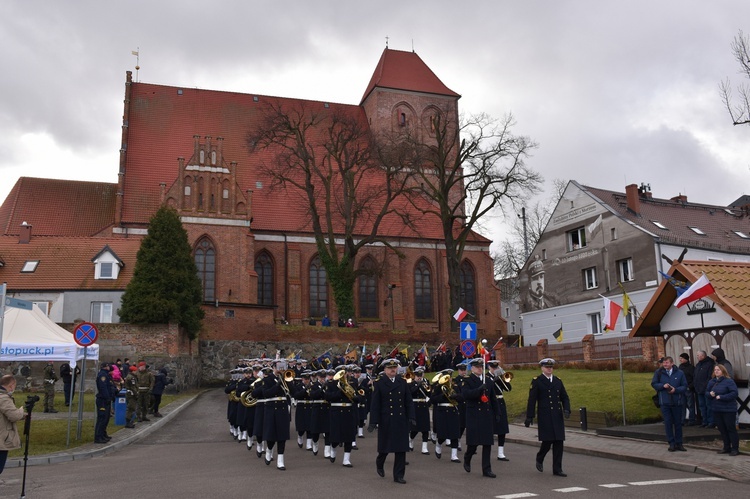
(9, 415)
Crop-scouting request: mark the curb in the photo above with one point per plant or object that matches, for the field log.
(80, 454)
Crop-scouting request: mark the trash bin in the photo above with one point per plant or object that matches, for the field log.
(121, 406)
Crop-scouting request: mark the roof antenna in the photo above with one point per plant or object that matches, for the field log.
(412, 45)
(137, 55)
(386, 42)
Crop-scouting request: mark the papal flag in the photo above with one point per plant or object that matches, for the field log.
(558, 335)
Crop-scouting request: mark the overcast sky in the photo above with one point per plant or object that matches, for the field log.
(613, 92)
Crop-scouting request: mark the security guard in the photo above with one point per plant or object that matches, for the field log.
(50, 378)
(548, 396)
(105, 394)
(392, 411)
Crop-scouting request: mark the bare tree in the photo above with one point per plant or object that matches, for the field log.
(329, 157)
(467, 170)
(739, 110)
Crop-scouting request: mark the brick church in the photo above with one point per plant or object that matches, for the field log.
(253, 245)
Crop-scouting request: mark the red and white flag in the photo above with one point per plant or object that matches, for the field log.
(460, 314)
(696, 291)
(611, 313)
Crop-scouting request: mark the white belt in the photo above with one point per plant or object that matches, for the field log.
(340, 404)
(499, 396)
(317, 401)
(275, 399)
(304, 401)
(421, 400)
(443, 404)
(260, 401)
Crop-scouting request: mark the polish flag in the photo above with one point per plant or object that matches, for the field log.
(696, 291)
(460, 314)
(611, 313)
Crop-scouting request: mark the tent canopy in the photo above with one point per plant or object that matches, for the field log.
(29, 335)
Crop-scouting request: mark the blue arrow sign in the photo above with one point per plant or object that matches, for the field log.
(16, 303)
(468, 330)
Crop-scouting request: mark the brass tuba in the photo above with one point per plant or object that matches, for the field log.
(344, 385)
(447, 387)
(246, 398)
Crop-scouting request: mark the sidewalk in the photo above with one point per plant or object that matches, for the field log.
(121, 438)
(700, 457)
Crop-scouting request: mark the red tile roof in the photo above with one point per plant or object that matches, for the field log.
(717, 222)
(58, 207)
(401, 70)
(731, 281)
(64, 262)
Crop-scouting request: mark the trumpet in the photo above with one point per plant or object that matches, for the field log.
(409, 375)
(503, 381)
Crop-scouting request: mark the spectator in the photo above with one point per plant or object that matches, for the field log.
(116, 374)
(125, 370)
(701, 374)
(723, 391)
(9, 415)
(161, 380)
(688, 370)
(326, 321)
(50, 378)
(670, 385)
(66, 374)
(720, 358)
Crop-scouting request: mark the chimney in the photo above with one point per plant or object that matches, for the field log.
(25, 235)
(680, 198)
(633, 198)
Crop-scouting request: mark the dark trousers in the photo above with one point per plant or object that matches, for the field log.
(67, 392)
(3, 458)
(280, 446)
(673, 415)
(102, 418)
(157, 402)
(557, 454)
(725, 423)
(399, 463)
(704, 404)
(486, 449)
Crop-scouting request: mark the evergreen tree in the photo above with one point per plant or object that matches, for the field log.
(165, 286)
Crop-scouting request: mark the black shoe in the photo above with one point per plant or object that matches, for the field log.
(457, 460)
(101, 441)
(348, 465)
(333, 459)
(158, 414)
(130, 425)
(315, 453)
(681, 448)
(145, 419)
(267, 461)
(503, 459)
(258, 453)
(438, 454)
(671, 449)
(489, 474)
(381, 472)
(467, 466)
(539, 467)
(280, 468)
(723, 451)
(399, 480)
(52, 410)
(734, 453)
(559, 473)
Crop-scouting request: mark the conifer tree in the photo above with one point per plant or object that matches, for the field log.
(165, 286)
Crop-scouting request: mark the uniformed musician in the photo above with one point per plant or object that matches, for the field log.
(303, 412)
(481, 409)
(420, 394)
(501, 386)
(260, 412)
(547, 396)
(343, 402)
(446, 419)
(276, 414)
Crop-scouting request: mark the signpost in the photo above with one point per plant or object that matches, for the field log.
(85, 334)
(468, 349)
(468, 331)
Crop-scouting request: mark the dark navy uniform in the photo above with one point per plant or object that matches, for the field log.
(275, 418)
(106, 391)
(552, 404)
(319, 417)
(230, 388)
(343, 420)
(421, 397)
(392, 410)
(303, 411)
(501, 421)
(446, 419)
(481, 411)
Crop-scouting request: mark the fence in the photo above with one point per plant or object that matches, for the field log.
(589, 349)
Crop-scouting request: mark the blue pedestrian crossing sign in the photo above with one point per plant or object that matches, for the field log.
(468, 330)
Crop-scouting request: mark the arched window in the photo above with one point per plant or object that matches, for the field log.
(368, 289)
(264, 269)
(423, 290)
(468, 291)
(318, 289)
(205, 260)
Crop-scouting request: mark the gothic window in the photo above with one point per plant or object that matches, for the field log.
(423, 290)
(264, 269)
(318, 289)
(468, 291)
(368, 290)
(205, 260)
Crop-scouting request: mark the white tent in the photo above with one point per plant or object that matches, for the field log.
(29, 335)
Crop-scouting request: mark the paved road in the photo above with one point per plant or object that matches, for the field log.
(193, 455)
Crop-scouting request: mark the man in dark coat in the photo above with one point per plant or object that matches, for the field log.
(701, 374)
(501, 422)
(688, 370)
(670, 384)
(105, 394)
(276, 414)
(481, 411)
(548, 396)
(392, 411)
(419, 393)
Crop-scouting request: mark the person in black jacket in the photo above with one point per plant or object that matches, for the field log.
(670, 385)
(161, 380)
(66, 374)
(688, 370)
(392, 411)
(276, 413)
(548, 392)
(481, 414)
(105, 394)
(701, 374)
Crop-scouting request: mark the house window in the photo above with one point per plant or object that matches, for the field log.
(630, 318)
(697, 231)
(589, 278)
(264, 269)
(422, 291)
(507, 312)
(402, 119)
(576, 238)
(105, 270)
(613, 234)
(318, 289)
(43, 306)
(625, 269)
(468, 289)
(513, 327)
(30, 266)
(595, 323)
(659, 224)
(544, 254)
(101, 311)
(205, 261)
(368, 289)
(741, 234)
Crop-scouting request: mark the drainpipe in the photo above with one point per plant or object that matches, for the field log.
(286, 278)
